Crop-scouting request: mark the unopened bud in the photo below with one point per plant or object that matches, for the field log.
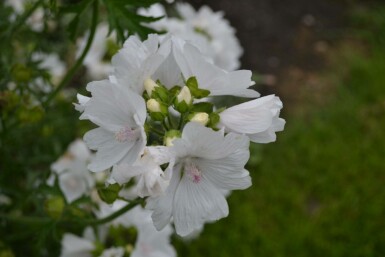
(183, 100)
(149, 86)
(184, 95)
(153, 105)
(54, 206)
(200, 117)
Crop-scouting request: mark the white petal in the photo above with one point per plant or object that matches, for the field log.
(196, 203)
(163, 204)
(109, 151)
(218, 81)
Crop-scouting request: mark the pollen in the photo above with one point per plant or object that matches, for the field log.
(193, 172)
(126, 134)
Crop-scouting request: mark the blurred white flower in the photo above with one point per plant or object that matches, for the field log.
(75, 246)
(97, 66)
(150, 242)
(35, 20)
(205, 162)
(205, 29)
(258, 119)
(113, 252)
(74, 178)
(52, 63)
(120, 114)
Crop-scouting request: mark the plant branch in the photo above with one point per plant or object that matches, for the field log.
(79, 61)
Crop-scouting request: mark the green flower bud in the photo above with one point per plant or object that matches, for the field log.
(54, 206)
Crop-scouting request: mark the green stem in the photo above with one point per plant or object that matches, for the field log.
(166, 127)
(22, 20)
(42, 221)
(79, 61)
(114, 215)
(156, 131)
(170, 120)
(180, 121)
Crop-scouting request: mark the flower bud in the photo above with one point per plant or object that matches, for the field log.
(149, 86)
(200, 117)
(153, 106)
(157, 110)
(54, 206)
(183, 100)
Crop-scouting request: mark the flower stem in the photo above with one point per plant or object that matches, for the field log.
(114, 215)
(24, 17)
(79, 61)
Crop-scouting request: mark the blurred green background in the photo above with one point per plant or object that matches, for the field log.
(319, 190)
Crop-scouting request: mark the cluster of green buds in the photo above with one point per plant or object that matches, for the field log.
(171, 109)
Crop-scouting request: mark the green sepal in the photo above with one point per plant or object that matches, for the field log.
(196, 92)
(181, 107)
(157, 116)
(203, 107)
(109, 194)
(160, 93)
(214, 119)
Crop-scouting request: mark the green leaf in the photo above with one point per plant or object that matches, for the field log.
(203, 107)
(110, 193)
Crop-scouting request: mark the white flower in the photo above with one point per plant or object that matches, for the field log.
(205, 29)
(113, 252)
(150, 242)
(96, 66)
(35, 20)
(120, 115)
(151, 181)
(75, 246)
(205, 162)
(82, 102)
(171, 61)
(258, 119)
(74, 178)
(219, 82)
(217, 30)
(136, 62)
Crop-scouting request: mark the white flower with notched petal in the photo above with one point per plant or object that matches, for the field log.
(172, 61)
(137, 61)
(219, 82)
(206, 161)
(258, 119)
(120, 114)
(151, 180)
(74, 178)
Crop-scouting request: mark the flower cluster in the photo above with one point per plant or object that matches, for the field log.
(158, 131)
